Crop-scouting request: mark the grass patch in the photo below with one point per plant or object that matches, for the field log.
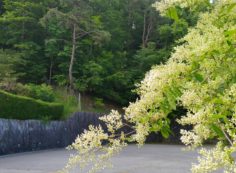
(68, 100)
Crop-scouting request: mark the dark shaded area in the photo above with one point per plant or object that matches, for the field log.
(1, 7)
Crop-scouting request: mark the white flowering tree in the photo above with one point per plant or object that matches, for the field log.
(200, 76)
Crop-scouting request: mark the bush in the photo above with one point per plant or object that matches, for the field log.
(21, 107)
(42, 92)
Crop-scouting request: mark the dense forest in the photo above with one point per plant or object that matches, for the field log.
(99, 47)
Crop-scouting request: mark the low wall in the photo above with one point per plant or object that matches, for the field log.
(29, 135)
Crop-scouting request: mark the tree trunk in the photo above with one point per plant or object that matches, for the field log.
(148, 32)
(79, 102)
(72, 58)
(50, 72)
(144, 30)
(147, 28)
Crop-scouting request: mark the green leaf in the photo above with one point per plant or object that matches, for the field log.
(198, 77)
(171, 99)
(155, 128)
(230, 32)
(218, 101)
(217, 130)
(172, 13)
(165, 132)
(218, 116)
(195, 65)
(231, 7)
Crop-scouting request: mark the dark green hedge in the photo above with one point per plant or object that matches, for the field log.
(20, 107)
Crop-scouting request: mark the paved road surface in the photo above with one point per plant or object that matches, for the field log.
(148, 159)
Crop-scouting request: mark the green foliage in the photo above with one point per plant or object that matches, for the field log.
(93, 73)
(172, 13)
(68, 100)
(20, 31)
(148, 56)
(21, 107)
(98, 103)
(117, 42)
(8, 59)
(42, 92)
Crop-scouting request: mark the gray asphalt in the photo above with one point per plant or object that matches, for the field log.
(148, 159)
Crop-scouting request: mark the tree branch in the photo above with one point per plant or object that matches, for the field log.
(227, 137)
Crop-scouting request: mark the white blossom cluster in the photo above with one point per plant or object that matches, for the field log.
(142, 130)
(200, 76)
(113, 121)
(92, 152)
(164, 5)
(214, 159)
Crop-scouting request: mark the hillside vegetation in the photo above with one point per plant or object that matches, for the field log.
(98, 47)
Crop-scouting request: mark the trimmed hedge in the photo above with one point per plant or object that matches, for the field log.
(22, 108)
